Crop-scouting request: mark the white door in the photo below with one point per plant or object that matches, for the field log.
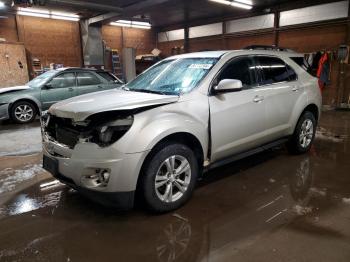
(237, 118)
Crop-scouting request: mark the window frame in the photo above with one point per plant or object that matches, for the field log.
(260, 73)
(214, 82)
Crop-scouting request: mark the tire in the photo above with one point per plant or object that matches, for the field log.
(23, 112)
(304, 134)
(159, 168)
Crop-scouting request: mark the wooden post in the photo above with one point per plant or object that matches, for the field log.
(342, 72)
(276, 27)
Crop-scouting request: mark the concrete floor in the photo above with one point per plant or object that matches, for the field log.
(269, 207)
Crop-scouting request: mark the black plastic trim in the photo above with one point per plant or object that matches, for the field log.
(245, 154)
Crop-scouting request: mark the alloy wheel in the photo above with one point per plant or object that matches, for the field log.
(173, 178)
(306, 134)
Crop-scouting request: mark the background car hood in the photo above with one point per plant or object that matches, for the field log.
(13, 89)
(81, 107)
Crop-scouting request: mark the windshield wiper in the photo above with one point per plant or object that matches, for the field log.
(148, 91)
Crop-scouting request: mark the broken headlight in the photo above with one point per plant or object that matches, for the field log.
(112, 131)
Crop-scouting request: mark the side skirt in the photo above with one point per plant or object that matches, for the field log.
(245, 154)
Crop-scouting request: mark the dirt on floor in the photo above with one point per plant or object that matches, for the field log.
(269, 207)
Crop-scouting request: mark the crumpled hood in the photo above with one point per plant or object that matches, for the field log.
(12, 89)
(81, 107)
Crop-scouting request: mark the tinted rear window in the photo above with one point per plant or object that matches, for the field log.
(272, 69)
(301, 61)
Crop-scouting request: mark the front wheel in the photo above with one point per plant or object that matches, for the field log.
(23, 112)
(169, 178)
(304, 134)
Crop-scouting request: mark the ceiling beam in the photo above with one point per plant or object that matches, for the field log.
(89, 5)
(127, 12)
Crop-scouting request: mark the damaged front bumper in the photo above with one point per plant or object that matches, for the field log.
(84, 167)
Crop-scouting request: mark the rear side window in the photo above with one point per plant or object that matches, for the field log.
(299, 60)
(109, 77)
(291, 74)
(87, 79)
(241, 69)
(272, 70)
(302, 62)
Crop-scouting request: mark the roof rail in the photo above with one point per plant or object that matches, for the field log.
(268, 47)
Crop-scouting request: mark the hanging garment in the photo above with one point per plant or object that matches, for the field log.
(323, 71)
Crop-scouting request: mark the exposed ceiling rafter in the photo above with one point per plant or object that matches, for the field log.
(126, 12)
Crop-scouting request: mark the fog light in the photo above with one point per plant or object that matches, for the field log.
(105, 176)
(95, 178)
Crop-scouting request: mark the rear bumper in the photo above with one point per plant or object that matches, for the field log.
(4, 112)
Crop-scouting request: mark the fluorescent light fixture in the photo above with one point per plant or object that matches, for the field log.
(33, 10)
(47, 14)
(2, 4)
(33, 14)
(245, 4)
(225, 2)
(132, 24)
(64, 18)
(240, 5)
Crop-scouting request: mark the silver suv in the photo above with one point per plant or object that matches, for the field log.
(156, 135)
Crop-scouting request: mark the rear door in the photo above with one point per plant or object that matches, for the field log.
(60, 87)
(237, 118)
(88, 82)
(279, 83)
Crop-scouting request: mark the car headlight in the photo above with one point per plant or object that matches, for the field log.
(112, 131)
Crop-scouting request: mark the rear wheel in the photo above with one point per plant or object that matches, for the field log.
(23, 112)
(169, 178)
(304, 134)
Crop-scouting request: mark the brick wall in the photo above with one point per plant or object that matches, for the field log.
(52, 41)
(140, 39)
(8, 29)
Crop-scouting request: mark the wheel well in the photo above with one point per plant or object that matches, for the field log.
(187, 139)
(313, 109)
(184, 138)
(25, 100)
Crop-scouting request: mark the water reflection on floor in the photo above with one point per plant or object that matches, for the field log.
(268, 207)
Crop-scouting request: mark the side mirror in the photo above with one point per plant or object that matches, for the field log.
(48, 86)
(228, 85)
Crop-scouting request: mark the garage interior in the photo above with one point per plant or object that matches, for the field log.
(271, 206)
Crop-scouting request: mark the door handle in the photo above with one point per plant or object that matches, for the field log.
(258, 99)
(70, 89)
(99, 87)
(295, 89)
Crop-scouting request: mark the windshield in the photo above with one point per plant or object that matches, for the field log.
(173, 77)
(40, 80)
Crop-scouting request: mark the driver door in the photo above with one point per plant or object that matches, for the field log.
(237, 118)
(62, 86)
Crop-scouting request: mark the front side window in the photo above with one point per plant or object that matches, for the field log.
(41, 79)
(63, 80)
(173, 77)
(87, 79)
(272, 69)
(240, 69)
